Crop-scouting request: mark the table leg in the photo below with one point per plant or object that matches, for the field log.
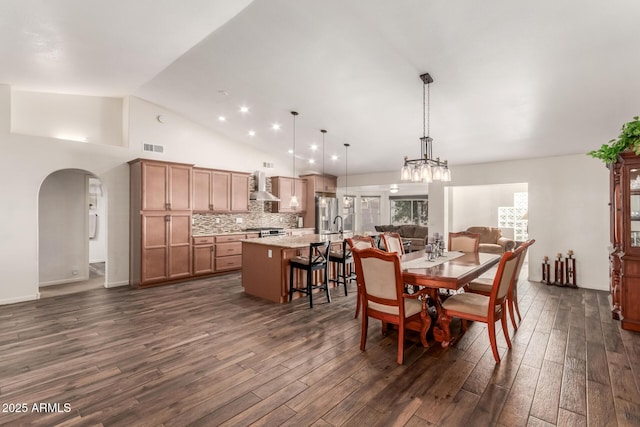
(441, 330)
(426, 323)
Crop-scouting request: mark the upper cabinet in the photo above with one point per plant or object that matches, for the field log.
(217, 191)
(164, 186)
(284, 188)
(239, 192)
(322, 183)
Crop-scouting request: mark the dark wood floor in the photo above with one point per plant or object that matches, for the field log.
(203, 353)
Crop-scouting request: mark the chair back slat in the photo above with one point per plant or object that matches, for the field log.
(393, 242)
(504, 276)
(360, 242)
(380, 276)
(523, 254)
(318, 252)
(464, 241)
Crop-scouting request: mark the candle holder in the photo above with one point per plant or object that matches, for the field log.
(559, 271)
(570, 270)
(546, 273)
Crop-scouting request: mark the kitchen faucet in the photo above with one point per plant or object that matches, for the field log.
(341, 223)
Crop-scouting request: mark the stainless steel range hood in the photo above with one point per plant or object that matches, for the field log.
(262, 195)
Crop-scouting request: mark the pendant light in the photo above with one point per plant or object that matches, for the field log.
(346, 202)
(294, 199)
(323, 200)
(426, 168)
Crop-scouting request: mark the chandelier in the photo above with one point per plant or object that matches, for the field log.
(426, 168)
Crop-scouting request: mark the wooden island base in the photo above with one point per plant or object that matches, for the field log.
(265, 264)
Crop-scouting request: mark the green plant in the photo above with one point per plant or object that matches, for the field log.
(629, 139)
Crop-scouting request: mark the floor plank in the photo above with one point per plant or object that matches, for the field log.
(204, 353)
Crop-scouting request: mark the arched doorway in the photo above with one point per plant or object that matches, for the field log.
(72, 250)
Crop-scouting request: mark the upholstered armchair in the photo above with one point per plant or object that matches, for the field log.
(491, 240)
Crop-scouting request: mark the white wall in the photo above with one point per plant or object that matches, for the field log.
(477, 205)
(27, 160)
(62, 228)
(82, 118)
(568, 207)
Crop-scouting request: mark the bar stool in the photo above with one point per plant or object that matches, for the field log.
(342, 258)
(316, 261)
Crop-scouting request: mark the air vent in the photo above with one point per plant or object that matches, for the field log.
(268, 165)
(153, 148)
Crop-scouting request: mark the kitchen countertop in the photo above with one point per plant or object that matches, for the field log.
(294, 242)
(224, 233)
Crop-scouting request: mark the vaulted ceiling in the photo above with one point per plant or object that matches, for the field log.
(512, 79)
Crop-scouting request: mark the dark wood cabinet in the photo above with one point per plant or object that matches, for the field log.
(625, 240)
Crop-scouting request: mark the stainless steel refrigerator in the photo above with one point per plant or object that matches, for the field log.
(326, 212)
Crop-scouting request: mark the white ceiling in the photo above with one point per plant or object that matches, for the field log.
(512, 79)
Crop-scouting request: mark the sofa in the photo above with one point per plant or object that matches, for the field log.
(491, 240)
(416, 234)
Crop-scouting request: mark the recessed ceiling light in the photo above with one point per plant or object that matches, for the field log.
(252, 133)
(222, 118)
(244, 109)
(311, 161)
(290, 151)
(275, 126)
(334, 157)
(314, 147)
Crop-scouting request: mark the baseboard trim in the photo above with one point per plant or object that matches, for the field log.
(116, 284)
(61, 281)
(20, 299)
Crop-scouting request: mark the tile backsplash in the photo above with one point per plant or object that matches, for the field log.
(259, 215)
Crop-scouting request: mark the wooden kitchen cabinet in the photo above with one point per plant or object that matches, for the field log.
(202, 190)
(283, 188)
(239, 192)
(203, 255)
(228, 251)
(220, 191)
(160, 232)
(165, 186)
(322, 183)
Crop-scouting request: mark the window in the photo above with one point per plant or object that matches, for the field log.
(369, 213)
(409, 210)
(347, 213)
(516, 216)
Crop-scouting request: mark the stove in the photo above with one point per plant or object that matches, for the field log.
(268, 231)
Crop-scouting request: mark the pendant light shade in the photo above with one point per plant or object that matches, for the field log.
(294, 204)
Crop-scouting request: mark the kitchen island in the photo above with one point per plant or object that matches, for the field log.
(265, 262)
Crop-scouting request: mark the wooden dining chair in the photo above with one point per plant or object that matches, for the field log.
(359, 242)
(464, 241)
(383, 297)
(482, 285)
(486, 309)
(392, 242)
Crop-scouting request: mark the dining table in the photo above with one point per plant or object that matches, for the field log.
(449, 271)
